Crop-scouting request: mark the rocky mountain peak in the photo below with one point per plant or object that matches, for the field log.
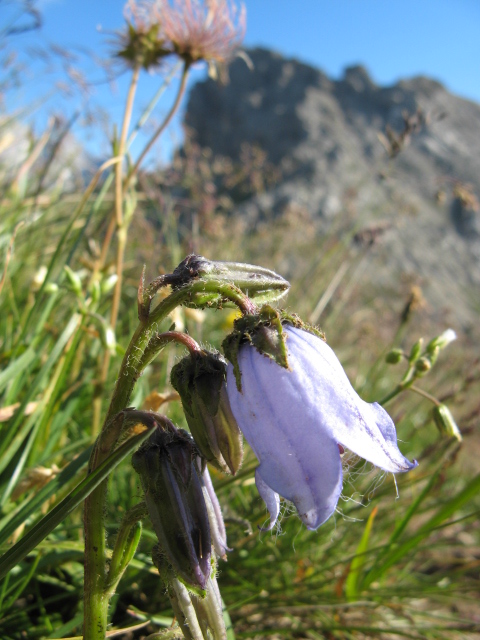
(410, 152)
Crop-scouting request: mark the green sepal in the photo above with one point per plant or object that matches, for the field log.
(264, 331)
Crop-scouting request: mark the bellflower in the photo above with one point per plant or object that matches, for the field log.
(297, 417)
(174, 496)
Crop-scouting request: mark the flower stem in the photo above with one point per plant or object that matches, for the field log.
(406, 383)
(96, 596)
(425, 394)
(158, 341)
(162, 127)
(118, 222)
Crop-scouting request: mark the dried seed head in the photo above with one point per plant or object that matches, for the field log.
(211, 30)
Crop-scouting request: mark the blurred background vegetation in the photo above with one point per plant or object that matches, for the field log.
(401, 557)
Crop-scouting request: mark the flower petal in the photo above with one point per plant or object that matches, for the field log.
(271, 499)
(215, 517)
(279, 418)
(366, 429)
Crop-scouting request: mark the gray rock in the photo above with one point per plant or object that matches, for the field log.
(324, 136)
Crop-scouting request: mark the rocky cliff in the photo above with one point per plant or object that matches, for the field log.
(408, 155)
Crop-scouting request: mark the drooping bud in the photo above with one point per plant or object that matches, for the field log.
(445, 422)
(166, 463)
(200, 380)
(259, 284)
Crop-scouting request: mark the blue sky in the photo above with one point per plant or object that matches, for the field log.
(393, 38)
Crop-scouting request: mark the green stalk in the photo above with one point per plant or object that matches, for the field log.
(408, 380)
(161, 127)
(66, 233)
(95, 584)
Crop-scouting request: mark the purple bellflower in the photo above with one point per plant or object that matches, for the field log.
(297, 418)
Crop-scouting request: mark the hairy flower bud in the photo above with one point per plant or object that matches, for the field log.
(445, 422)
(166, 463)
(200, 380)
(258, 283)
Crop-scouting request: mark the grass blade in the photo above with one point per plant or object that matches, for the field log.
(47, 524)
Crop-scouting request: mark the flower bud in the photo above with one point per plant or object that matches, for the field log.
(175, 503)
(200, 380)
(73, 280)
(108, 284)
(445, 422)
(394, 356)
(95, 291)
(422, 366)
(441, 341)
(258, 283)
(415, 351)
(433, 354)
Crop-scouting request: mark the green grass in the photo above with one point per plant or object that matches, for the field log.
(385, 566)
(410, 570)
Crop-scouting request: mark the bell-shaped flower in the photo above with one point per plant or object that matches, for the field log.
(296, 418)
(174, 495)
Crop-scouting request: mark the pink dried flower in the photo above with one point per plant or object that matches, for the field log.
(210, 30)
